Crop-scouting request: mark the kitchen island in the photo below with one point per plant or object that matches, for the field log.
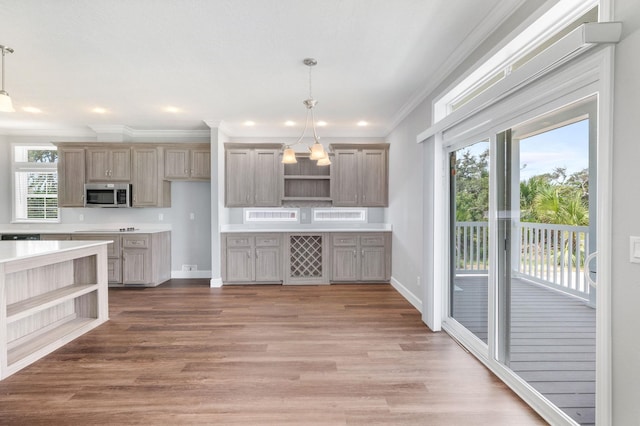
(51, 292)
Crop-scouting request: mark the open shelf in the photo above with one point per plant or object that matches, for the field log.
(27, 307)
(306, 181)
(57, 336)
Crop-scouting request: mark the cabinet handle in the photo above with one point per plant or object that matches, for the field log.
(362, 252)
(248, 255)
(354, 253)
(364, 197)
(185, 171)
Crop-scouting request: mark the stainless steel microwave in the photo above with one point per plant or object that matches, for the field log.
(107, 195)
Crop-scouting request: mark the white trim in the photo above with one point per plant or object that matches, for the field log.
(566, 49)
(215, 283)
(191, 274)
(411, 298)
(583, 77)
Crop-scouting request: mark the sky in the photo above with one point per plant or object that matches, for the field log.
(566, 147)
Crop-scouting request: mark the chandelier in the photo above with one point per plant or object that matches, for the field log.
(316, 150)
(5, 101)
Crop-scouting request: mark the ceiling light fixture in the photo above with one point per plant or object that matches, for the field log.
(249, 123)
(32, 109)
(316, 150)
(5, 101)
(99, 110)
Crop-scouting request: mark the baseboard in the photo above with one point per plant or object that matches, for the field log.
(190, 274)
(215, 282)
(411, 298)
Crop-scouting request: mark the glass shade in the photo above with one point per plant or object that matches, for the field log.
(289, 156)
(324, 161)
(5, 102)
(317, 151)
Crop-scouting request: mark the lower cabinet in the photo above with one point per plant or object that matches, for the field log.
(361, 257)
(306, 258)
(136, 259)
(251, 258)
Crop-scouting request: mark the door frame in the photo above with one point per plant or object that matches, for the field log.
(585, 76)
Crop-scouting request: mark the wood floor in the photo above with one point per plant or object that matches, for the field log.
(184, 353)
(553, 340)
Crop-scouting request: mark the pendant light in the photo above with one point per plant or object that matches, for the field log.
(5, 101)
(316, 150)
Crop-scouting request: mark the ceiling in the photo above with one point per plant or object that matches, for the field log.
(231, 61)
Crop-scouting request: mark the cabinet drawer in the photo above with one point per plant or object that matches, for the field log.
(135, 241)
(372, 239)
(267, 241)
(345, 240)
(238, 241)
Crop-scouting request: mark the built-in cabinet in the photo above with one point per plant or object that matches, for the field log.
(249, 258)
(143, 165)
(306, 258)
(108, 164)
(71, 177)
(187, 164)
(252, 175)
(357, 177)
(360, 175)
(136, 258)
(361, 257)
(148, 189)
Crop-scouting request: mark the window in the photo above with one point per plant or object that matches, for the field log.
(339, 215)
(271, 215)
(35, 183)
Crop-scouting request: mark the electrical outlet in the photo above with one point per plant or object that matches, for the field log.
(187, 268)
(81, 217)
(192, 216)
(418, 281)
(160, 216)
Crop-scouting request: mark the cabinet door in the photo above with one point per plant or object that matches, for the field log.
(267, 177)
(345, 184)
(240, 264)
(373, 178)
(114, 270)
(176, 164)
(71, 174)
(145, 177)
(97, 164)
(201, 164)
(120, 167)
(238, 178)
(136, 266)
(373, 264)
(268, 264)
(345, 263)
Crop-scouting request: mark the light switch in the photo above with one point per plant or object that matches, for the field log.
(634, 249)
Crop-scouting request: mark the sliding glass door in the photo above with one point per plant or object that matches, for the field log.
(526, 301)
(469, 237)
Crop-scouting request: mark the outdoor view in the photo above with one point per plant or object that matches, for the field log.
(36, 184)
(545, 321)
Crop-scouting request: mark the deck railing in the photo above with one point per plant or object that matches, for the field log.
(551, 255)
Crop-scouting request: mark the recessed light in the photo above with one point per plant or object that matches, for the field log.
(172, 109)
(362, 123)
(32, 110)
(321, 123)
(249, 123)
(289, 123)
(99, 110)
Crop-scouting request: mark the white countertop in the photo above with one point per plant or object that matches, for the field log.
(75, 228)
(313, 227)
(15, 250)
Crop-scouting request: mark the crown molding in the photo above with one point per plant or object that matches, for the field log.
(498, 15)
(51, 133)
(220, 125)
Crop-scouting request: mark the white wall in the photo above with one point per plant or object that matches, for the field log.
(190, 241)
(626, 218)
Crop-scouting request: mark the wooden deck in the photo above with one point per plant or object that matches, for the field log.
(553, 340)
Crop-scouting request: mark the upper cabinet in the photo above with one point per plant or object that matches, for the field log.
(360, 175)
(149, 190)
(71, 169)
(108, 164)
(187, 163)
(252, 175)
